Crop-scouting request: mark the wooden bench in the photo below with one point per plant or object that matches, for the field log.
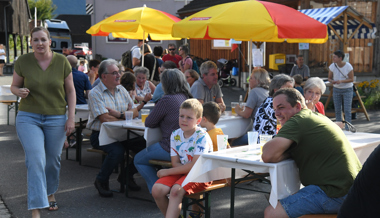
(11, 104)
(162, 163)
(319, 216)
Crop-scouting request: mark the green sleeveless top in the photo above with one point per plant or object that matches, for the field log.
(47, 92)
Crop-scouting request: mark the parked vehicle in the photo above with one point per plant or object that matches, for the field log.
(82, 51)
(60, 34)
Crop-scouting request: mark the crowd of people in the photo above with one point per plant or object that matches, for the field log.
(188, 105)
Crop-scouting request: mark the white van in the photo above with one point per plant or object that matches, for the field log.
(60, 34)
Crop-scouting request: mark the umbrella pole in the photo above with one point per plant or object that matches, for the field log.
(250, 56)
(142, 53)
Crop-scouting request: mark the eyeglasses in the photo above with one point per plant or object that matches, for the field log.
(114, 73)
(171, 49)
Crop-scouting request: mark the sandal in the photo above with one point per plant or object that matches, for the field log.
(53, 206)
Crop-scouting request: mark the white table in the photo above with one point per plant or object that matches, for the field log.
(81, 112)
(217, 165)
(118, 131)
(284, 175)
(233, 126)
(5, 90)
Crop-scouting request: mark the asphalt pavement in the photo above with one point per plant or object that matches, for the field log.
(77, 196)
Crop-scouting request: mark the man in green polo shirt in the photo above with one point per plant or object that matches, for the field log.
(327, 163)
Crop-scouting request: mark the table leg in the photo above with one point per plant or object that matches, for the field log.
(361, 103)
(79, 142)
(232, 206)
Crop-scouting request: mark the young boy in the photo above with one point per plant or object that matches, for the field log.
(298, 79)
(187, 144)
(211, 115)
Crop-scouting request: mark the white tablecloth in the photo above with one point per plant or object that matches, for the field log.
(284, 175)
(217, 165)
(117, 131)
(233, 126)
(81, 112)
(5, 90)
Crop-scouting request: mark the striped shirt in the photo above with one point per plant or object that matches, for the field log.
(165, 115)
(100, 98)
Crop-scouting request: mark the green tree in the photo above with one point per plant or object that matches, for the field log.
(45, 8)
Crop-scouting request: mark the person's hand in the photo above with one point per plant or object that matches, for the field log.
(238, 109)
(163, 172)
(113, 112)
(337, 82)
(65, 144)
(147, 97)
(69, 126)
(23, 92)
(222, 107)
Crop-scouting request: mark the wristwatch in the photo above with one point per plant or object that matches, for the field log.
(121, 115)
(144, 102)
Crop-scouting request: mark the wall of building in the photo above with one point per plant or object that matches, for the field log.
(106, 8)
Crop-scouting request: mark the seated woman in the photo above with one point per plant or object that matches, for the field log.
(314, 89)
(164, 115)
(265, 121)
(259, 83)
(191, 76)
(143, 86)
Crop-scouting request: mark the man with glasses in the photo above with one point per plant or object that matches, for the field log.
(172, 56)
(107, 102)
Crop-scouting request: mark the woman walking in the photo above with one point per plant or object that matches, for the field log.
(43, 79)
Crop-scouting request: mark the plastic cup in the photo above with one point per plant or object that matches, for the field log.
(222, 142)
(252, 140)
(265, 138)
(144, 114)
(128, 117)
(233, 105)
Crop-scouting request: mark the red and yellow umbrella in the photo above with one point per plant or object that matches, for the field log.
(137, 23)
(252, 20)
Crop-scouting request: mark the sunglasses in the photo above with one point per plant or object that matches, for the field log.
(171, 49)
(179, 49)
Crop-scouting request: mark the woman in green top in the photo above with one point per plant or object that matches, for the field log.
(43, 79)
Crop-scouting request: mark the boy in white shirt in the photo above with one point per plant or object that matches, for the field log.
(187, 144)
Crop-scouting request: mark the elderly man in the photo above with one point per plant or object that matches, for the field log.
(327, 163)
(107, 102)
(300, 68)
(81, 83)
(172, 56)
(206, 88)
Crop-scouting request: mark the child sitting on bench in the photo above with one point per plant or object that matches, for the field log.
(187, 144)
(211, 115)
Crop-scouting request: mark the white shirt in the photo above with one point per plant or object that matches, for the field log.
(2, 57)
(341, 75)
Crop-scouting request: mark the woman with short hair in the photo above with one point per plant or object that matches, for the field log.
(191, 76)
(314, 89)
(143, 85)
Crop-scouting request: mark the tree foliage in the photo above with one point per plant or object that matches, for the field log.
(45, 8)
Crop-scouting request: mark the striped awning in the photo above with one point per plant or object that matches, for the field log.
(329, 15)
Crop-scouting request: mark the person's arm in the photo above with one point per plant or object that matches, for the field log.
(178, 168)
(91, 76)
(17, 87)
(221, 104)
(71, 101)
(86, 92)
(246, 113)
(274, 151)
(349, 80)
(307, 75)
(331, 77)
(152, 87)
(136, 62)
(147, 98)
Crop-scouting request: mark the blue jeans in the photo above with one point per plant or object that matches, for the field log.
(147, 170)
(115, 153)
(344, 95)
(242, 140)
(310, 200)
(42, 137)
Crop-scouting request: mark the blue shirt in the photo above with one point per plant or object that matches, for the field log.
(81, 83)
(158, 93)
